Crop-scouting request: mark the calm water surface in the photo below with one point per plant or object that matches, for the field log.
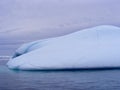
(59, 80)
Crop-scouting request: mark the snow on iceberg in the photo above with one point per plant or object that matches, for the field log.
(95, 47)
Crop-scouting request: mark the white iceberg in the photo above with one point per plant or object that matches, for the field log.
(97, 47)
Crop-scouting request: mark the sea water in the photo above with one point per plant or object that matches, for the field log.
(58, 80)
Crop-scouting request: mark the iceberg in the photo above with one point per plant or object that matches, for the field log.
(97, 47)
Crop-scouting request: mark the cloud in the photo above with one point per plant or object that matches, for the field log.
(35, 19)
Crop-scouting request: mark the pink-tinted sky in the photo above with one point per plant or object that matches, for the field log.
(28, 20)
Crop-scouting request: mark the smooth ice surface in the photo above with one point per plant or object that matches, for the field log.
(97, 47)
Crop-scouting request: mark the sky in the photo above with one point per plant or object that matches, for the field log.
(23, 21)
